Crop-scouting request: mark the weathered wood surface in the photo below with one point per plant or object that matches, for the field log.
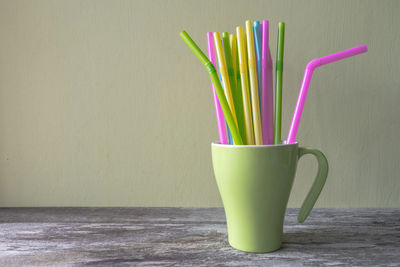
(191, 237)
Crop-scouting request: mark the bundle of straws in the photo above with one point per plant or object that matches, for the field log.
(244, 102)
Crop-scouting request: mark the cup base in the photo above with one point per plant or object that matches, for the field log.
(256, 250)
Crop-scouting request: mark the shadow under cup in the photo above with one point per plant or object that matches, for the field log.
(255, 183)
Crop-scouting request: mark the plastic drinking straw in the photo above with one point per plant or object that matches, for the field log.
(233, 43)
(278, 83)
(230, 140)
(257, 47)
(230, 137)
(223, 69)
(253, 84)
(267, 101)
(223, 139)
(228, 59)
(235, 60)
(232, 90)
(236, 71)
(248, 123)
(236, 93)
(311, 66)
(217, 85)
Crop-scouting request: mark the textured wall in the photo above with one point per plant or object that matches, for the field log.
(102, 104)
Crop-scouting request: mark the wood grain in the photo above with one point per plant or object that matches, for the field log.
(191, 237)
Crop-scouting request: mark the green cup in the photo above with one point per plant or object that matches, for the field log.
(254, 183)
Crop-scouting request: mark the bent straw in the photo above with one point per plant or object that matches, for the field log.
(217, 85)
(223, 139)
(223, 69)
(253, 84)
(278, 83)
(236, 90)
(257, 47)
(311, 66)
(248, 123)
(267, 101)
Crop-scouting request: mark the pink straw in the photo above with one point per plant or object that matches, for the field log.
(306, 84)
(267, 102)
(223, 139)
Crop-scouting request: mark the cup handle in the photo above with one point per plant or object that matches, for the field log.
(318, 184)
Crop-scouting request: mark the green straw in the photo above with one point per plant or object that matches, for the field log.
(236, 92)
(217, 86)
(278, 83)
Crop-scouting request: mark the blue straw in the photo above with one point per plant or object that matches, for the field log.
(258, 50)
(228, 131)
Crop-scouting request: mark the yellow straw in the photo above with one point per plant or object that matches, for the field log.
(253, 83)
(232, 39)
(237, 88)
(224, 74)
(248, 124)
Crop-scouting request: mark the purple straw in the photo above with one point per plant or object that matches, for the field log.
(267, 102)
(223, 139)
(311, 66)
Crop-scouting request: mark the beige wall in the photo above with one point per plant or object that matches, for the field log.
(102, 104)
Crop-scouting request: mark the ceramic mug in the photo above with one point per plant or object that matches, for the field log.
(254, 183)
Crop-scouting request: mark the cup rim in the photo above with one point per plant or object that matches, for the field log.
(216, 143)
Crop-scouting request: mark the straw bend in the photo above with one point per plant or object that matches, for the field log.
(311, 66)
(210, 68)
(217, 85)
(337, 56)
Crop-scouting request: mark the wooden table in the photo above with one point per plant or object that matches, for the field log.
(191, 237)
